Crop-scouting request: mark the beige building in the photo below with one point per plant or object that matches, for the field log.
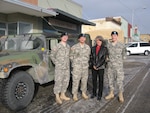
(104, 27)
(145, 37)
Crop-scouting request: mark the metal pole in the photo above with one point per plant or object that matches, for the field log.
(133, 13)
(132, 24)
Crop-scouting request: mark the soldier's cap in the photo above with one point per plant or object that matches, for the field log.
(81, 35)
(64, 34)
(114, 33)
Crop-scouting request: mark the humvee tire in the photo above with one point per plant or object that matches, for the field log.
(18, 91)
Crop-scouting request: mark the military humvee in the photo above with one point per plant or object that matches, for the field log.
(24, 61)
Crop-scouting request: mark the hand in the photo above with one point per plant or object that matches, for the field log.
(95, 67)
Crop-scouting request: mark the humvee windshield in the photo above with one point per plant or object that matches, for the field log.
(21, 43)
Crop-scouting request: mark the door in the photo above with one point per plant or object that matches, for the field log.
(133, 48)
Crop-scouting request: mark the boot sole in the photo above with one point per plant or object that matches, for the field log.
(64, 99)
(85, 98)
(58, 102)
(109, 98)
(75, 99)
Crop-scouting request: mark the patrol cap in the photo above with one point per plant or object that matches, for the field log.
(64, 34)
(114, 33)
(81, 35)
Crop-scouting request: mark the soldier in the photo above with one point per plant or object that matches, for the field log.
(79, 56)
(115, 66)
(60, 57)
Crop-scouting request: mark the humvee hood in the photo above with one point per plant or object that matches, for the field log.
(19, 58)
(3, 54)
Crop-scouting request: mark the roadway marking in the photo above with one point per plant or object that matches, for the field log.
(135, 92)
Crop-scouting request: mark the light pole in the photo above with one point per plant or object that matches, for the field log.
(133, 13)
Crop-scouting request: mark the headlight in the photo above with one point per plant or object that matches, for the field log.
(7, 67)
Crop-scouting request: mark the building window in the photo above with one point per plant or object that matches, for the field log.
(19, 28)
(12, 28)
(25, 28)
(2, 32)
(2, 28)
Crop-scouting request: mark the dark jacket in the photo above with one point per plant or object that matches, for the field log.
(98, 60)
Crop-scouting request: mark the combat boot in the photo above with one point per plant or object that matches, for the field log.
(121, 99)
(84, 95)
(75, 98)
(58, 100)
(110, 95)
(64, 97)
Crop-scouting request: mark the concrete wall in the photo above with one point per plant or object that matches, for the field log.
(66, 5)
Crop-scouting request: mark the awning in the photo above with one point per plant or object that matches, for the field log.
(13, 6)
(68, 17)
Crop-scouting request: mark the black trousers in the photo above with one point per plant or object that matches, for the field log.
(97, 79)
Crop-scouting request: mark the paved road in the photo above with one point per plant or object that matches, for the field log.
(44, 102)
(137, 95)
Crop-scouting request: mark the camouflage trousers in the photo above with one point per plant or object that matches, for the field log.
(62, 77)
(79, 74)
(116, 73)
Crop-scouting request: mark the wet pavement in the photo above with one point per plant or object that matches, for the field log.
(44, 102)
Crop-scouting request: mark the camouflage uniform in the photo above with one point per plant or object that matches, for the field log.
(115, 65)
(60, 57)
(80, 63)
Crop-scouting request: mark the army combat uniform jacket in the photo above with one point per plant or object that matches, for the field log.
(115, 65)
(60, 57)
(80, 56)
(80, 62)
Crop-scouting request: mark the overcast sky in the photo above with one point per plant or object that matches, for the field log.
(94, 9)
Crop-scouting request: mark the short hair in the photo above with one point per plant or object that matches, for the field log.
(99, 38)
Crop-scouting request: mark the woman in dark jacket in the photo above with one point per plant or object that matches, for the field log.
(98, 62)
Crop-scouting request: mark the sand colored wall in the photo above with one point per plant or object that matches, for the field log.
(103, 28)
(106, 34)
(145, 37)
(101, 24)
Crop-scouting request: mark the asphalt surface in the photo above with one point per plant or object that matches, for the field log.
(140, 100)
(136, 94)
